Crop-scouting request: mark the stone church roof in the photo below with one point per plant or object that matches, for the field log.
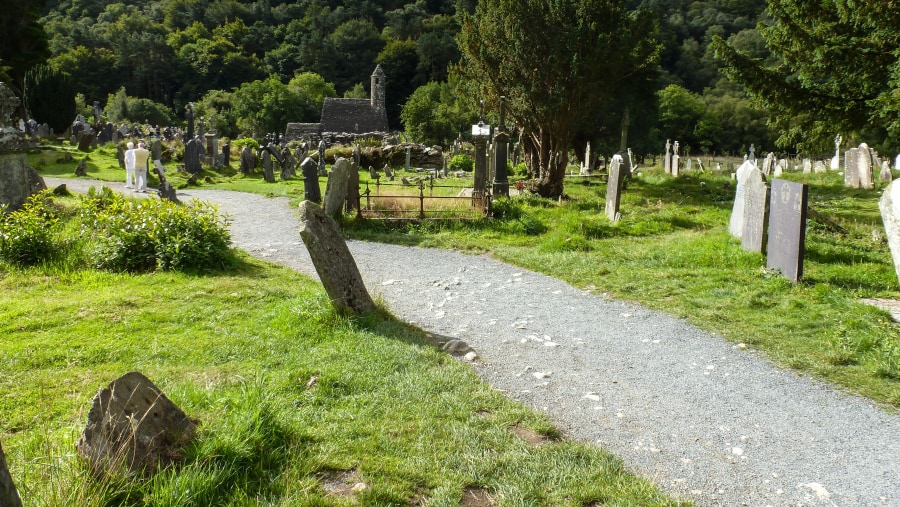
(352, 116)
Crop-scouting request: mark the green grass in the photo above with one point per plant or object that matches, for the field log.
(289, 396)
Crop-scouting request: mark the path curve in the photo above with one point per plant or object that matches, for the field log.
(704, 419)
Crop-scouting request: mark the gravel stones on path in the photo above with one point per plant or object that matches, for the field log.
(705, 419)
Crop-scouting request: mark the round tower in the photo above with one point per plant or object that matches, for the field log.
(378, 85)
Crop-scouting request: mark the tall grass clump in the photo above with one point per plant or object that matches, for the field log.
(147, 235)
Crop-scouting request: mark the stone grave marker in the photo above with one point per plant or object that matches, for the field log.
(614, 188)
(851, 168)
(864, 164)
(192, 153)
(736, 223)
(9, 495)
(885, 174)
(85, 140)
(133, 424)
(310, 170)
(889, 205)
(248, 160)
(353, 198)
(333, 261)
(807, 166)
(268, 168)
(667, 160)
(819, 167)
(756, 213)
(787, 228)
(336, 187)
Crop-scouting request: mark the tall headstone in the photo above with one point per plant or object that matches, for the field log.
(675, 160)
(322, 171)
(501, 146)
(889, 205)
(614, 188)
(836, 160)
(851, 168)
(480, 134)
(248, 160)
(408, 157)
(768, 164)
(807, 166)
(819, 167)
(311, 190)
(586, 166)
(192, 154)
(336, 188)
(897, 163)
(756, 213)
(787, 228)
(667, 158)
(885, 174)
(333, 261)
(864, 163)
(265, 157)
(353, 197)
(736, 223)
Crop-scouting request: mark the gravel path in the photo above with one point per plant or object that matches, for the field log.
(705, 419)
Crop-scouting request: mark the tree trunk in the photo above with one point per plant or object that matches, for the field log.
(547, 169)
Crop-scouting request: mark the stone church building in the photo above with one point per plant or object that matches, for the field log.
(347, 116)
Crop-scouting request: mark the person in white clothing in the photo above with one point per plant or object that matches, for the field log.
(141, 157)
(129, 165)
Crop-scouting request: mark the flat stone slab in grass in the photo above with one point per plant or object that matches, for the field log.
(133, 425)
(333, 261)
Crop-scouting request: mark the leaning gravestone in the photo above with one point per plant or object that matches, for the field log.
(756, 213)
(787, 228)
(890, 215)
(736, 224)
(333, 261)
(132, 424)
(310, 170)
(336, 188)
(9, 495)
(851, 168)
(614, 188)
(85, 141)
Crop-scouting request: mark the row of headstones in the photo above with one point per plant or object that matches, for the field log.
(771, 220)
(859, 166)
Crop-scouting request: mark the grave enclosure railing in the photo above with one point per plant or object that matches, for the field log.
(386, 202)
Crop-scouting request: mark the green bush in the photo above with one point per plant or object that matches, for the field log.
(152, 234)
(27, 235)
(462, 162)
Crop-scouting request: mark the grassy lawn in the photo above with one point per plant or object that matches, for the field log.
(297, 405)
(671, 251)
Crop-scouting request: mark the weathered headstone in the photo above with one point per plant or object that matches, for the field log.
(9, 495)
(807, 166)
(675, 170)
(864, 163)
(310, 170)
(288, 164)
(225, 161)
(132, 424)
(586, 166)
(85, 140)
(889, 204)
(322, 171)
(17, 179)
(756, 213)
(336, 187)
(248, 160)
(192, 153)
(265, 157)
(614, 188)
(836, 159)
(333, 261)
(819, 167)
(667, 158)
(352, 202)
(787, 228)
(81, 168)
(897, 163)
(166, 190)
(768, 164)
(885, 174)
(851, 168)
(736, 223)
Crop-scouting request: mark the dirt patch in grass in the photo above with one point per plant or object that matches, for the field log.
(342, 483)
(476, 497)
(529, 435)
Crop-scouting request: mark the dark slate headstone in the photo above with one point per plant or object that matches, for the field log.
(756, 213)
(133, 424)
(9, 495)
(85, 141)
(120, 155)
(333, 261)
(311, 190)
(248, 160)
(787, 228)
(192, 152)
(226, 154)
(265, 157)
(614, 188)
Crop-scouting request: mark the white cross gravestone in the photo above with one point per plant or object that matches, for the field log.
(736, 224)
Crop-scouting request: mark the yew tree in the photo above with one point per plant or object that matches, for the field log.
(556, 62)
(836, 70)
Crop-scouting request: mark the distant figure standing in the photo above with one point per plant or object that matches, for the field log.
(141, 157)
(129, 165)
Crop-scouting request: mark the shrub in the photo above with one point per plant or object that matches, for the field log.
(462, 162)
(153, 234)
(27, 235)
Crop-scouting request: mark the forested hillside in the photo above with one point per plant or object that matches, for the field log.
(145, 60)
